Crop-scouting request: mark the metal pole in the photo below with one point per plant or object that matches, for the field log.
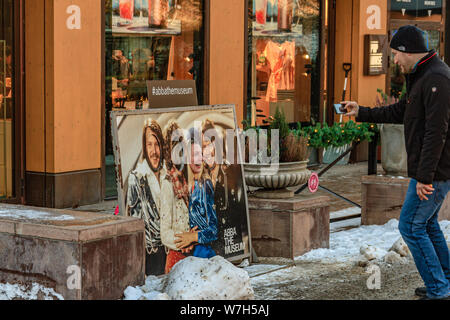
(340, 197)
(373, 155)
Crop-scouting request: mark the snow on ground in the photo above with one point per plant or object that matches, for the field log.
(33, 215)
(345, 248)
(345, 212)
(196, 279)
(255, 270)
(16, 291)
(345, 245)
(345, 225)
(328, 268)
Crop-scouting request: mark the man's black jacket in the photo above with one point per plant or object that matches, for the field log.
(425, 112)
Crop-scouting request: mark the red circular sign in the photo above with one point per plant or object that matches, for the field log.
(313, 183)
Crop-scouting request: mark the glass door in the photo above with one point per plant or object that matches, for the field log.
(7, 94)
(148, 40)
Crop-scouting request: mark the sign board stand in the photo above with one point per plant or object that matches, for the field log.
(230, 196)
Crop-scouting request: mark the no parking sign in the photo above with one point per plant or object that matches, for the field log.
(313, 182)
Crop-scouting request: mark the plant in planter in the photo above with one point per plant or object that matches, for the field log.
(291, 169)
(294, 150)
(337, 138)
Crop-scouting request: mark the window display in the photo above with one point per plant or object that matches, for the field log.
(427, 15)
(285, 55)
(149, 40)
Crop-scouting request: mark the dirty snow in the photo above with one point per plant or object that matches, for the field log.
(345, 246)
(16, 291)
(33, 215)
(196, 279)
(207, 280)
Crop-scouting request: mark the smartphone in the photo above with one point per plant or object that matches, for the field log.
(340, 108)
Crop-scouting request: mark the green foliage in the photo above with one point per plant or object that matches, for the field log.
(316, 135)
(278, 121)
(339, 134)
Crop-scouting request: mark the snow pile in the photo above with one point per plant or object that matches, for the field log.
(33, 215)
(393, 257)
(197, 279)
(208, 279)
(372, 253)
(366, 243)
(445, 225)
(19, 292)
(401, 248)
(152, 290)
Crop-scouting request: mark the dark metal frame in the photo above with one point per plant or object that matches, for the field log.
(19, 103)
(331, 60)
(103, 102)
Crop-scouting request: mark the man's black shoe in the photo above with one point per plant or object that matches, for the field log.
(421, 292)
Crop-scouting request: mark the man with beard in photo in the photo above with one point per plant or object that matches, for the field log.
(144, 192)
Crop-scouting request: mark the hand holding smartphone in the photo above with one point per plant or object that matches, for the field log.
(340, 108)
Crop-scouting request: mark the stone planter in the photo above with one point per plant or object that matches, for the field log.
(332, 153)
(276, 178)
(393, 151)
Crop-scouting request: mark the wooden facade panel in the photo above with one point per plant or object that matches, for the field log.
(35, 85)
(78, 83)
(227, 45)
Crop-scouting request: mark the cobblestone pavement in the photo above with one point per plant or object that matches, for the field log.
(318, 281)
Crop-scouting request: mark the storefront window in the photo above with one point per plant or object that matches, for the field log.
(6, 98)
(416, 9)
(397, 78)
(149, 40)
(284, 41)
(427, 15)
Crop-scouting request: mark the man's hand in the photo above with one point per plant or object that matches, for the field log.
(423, 190)
(186, 239)
(352, 108)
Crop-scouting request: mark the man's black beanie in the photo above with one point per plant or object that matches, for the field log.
(409, 39)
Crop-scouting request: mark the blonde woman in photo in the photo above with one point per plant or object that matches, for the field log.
(202, 214)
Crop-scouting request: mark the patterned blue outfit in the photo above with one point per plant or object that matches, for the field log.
(203, 215)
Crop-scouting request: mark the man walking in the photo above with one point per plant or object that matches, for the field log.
(425, 113)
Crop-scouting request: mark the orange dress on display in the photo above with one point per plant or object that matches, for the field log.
(282, 65)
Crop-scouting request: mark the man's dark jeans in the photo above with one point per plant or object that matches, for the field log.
(420, 229)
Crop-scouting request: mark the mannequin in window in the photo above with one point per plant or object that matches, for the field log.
(282, 65)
